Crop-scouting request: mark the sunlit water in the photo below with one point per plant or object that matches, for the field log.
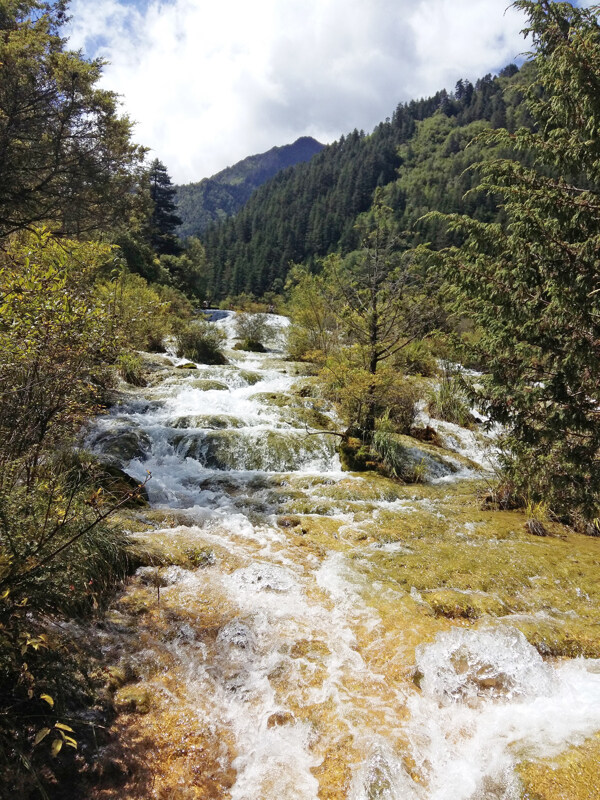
(273, 650)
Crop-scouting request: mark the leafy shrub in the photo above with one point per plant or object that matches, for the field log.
(242, 302)
(450, 401)
(253, 330)
(54, 340)
(202, 342)
(392, 454)
(177, 303)
(314, 331)
(130, 368)
(401, 406)
(59, 558)
(359, 395)
(417, 359)
(140, 317)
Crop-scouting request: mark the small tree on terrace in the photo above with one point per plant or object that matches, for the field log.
(376, 296)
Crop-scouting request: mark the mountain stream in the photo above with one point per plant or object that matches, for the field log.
(306, 632)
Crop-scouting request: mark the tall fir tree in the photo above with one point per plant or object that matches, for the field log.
(164, 219)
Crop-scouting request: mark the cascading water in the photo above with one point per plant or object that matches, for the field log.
(276, 660)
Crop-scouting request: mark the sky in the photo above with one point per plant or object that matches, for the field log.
(209, 83)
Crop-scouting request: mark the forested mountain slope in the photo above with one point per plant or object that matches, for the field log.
(418, 155)
(223, 194)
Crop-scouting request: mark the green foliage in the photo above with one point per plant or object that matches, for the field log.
(450, 401)
(202, 342)
(359, 395)
(58, 556)
(66, 154)
(531, 280)
(178, 305)
(311, 210)
(392, 454)
(401, 404)
(130, 368)
(54, 342)
(188, 271)
(378, 301)
(253, 331)
(417, 358)
(315, 330)
(164, 219)
(140, 318)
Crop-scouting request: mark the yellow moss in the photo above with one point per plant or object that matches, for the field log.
(573, 775)
(469, 605)
(134, 699)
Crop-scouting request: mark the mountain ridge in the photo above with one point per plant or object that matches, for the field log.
(200, 203)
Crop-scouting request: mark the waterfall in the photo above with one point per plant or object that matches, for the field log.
(285, 656)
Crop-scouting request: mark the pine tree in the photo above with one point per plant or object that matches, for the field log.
(164, 219)
(533, 283)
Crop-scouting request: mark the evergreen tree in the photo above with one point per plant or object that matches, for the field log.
(66, 156)
(533, 283)
(164, 219)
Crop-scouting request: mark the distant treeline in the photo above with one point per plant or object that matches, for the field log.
(418, 155)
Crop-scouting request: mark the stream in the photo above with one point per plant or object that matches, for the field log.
(292, 639)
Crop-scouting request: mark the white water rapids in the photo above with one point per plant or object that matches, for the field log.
(301, 672)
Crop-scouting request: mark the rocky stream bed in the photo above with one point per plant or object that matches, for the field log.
(304, 632)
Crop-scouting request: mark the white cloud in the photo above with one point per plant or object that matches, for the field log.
(212, 82)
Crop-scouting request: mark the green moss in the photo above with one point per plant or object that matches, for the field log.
(207, 422)
(356, 456)
(251, 378)
(206, 385)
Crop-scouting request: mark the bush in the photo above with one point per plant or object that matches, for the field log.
(177, 303)
(54, 340)
(253, 330)
(401, 407)
(202, 342)
(130, 367)
(314, 332)
(59, 558)
(140, 317)
(450, 401)
(360, 396)
(417, 359)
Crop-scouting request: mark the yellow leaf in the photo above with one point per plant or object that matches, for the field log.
(70, 742)
(47, 699)
(41, 734)
(63, 727)
(56, 747)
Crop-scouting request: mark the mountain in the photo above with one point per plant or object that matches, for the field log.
(418, 158)
(222, 195)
